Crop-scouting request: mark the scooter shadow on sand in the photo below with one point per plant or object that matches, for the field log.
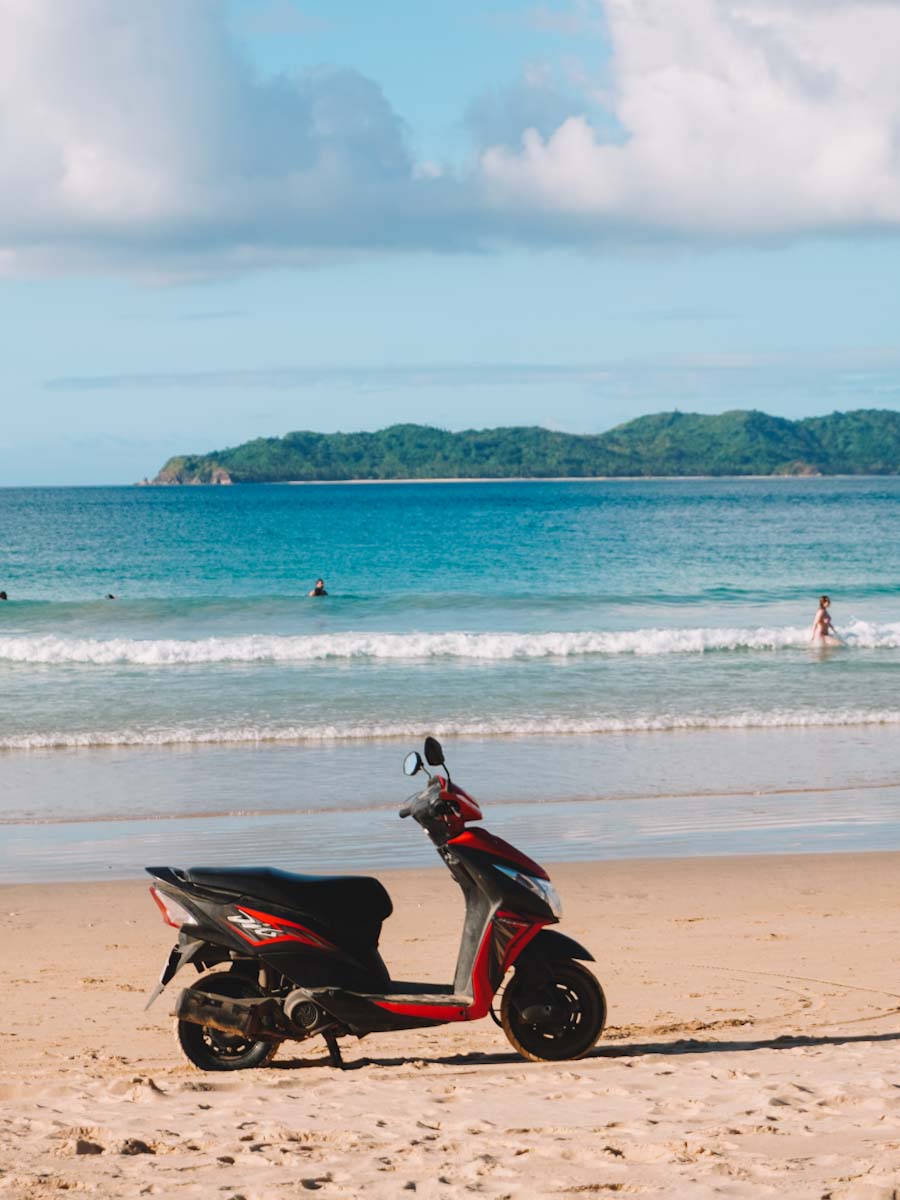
(686, 1046)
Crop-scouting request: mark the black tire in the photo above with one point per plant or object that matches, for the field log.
(213, 1050)
(577, 1019)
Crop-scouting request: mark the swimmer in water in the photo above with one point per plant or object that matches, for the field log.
(3, 596)
(319, 589)
(823, 630)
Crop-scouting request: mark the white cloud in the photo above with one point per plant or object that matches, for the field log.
(135, 134)
(741, 117)
(134, 137)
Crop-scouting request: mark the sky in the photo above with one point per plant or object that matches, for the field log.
(223, 219)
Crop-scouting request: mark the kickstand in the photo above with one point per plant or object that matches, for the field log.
(334, 1050)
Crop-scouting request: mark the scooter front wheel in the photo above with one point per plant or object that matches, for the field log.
(553, 1012)
(213, 1050)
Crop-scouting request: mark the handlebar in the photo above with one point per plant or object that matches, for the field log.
(431, 807)
(423, 804)
(442, 808)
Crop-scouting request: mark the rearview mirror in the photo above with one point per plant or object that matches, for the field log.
(434, 755)
(412, 764)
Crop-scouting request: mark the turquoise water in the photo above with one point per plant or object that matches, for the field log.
(589, 634)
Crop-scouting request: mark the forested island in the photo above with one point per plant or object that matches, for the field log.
(864, 442)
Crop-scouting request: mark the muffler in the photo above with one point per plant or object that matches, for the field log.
(244, 1018)
(304, 1014)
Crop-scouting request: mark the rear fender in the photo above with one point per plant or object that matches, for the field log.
(550, 946)
(184, 951)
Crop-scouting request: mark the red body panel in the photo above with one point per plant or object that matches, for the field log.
(466, 808)
(488, 843)
(529, 929)
(469, 809)
(427, 1012)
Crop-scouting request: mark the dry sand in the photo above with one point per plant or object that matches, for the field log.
(751, 1051)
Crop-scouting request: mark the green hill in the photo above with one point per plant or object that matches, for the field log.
(866, 442)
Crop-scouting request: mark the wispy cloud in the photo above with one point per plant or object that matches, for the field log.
(363, 378)
(835, 369)
(569, 20)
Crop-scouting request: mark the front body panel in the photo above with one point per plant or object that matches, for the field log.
(499, 925)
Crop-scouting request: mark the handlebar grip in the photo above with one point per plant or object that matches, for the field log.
(427, 802)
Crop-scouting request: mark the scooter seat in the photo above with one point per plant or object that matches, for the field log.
(353, 905)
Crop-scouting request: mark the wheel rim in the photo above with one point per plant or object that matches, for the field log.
(558, 1019)
(225, 1045)
(565, 1016)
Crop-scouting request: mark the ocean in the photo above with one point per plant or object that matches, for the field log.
(616, 668)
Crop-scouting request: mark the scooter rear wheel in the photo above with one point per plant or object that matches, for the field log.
(213, 1050)
(554, 1015)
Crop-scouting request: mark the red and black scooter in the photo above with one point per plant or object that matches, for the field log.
(300, 952)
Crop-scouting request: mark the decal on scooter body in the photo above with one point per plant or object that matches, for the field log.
(263, 929)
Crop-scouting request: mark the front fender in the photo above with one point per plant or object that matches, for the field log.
(550, 946)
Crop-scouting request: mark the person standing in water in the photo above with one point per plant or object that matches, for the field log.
(823, 629)
(319, 589)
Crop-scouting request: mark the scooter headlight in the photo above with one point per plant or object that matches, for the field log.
(542, 888)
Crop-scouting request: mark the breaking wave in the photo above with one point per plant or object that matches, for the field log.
(261, 648)
(513, 727)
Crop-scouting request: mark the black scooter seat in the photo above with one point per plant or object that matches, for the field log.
(335, 898)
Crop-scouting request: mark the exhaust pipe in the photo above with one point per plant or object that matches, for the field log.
(305, 1015)
(243, 1018)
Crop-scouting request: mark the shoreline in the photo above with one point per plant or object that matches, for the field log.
(28, 487)
(418, 858)
(536, 479)
(695, 796)
(490, 479)
(684, 862)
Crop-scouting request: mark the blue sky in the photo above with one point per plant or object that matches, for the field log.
(272, 215)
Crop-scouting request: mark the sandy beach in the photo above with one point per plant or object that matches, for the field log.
(754, 1012)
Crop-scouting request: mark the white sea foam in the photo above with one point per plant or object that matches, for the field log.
(52, 650)
(512, 727)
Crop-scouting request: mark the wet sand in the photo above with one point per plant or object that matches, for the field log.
(754, 1017)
